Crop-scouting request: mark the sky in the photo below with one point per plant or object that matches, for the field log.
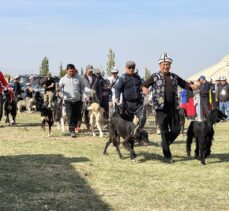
(194, 32)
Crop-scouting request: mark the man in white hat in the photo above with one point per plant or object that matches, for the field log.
(223, 95)
(165, 101)
(113, 81)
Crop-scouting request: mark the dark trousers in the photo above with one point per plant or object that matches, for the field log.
(169, 124)
(1, 106)
(136, 107)
(73, 111)
(204, 107)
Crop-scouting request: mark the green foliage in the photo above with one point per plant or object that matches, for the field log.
(81, 71)
(62, 71)
(44, 68)
(147, 73)
(110, 62)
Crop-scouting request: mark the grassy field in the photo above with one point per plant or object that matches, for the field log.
(61, 173)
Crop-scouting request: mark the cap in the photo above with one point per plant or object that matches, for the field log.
(130, 63)
(28, 84)
(89, 67)
(222, 78)
(114, 70)
(201, 77)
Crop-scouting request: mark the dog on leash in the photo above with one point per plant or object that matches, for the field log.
(120, 127)
(96, 118)
(60, 115)
(203, 132)
(10, 107)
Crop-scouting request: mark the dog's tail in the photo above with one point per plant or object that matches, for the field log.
(190, 135)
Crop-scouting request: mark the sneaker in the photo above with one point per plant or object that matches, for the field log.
(77, 130)
(73, 134)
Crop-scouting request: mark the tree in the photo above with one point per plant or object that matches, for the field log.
(44, 68)
(81, 71)
(110, 62)
(62, 71)
(147, 73)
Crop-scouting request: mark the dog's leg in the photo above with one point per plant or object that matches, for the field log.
(107, 145)
(99, 126)
(202, 150)
(62, 124)
(190, 136)
(126, 144)
(43, 125)
(208, 146)
(7, 121)
(116, 144)
(92, 124)
(197, 150)
(50, 126)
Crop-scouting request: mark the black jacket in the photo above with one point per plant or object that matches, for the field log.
(204, 89)
(130, 86)
(223, 93)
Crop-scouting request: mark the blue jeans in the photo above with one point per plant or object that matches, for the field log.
(224, 107)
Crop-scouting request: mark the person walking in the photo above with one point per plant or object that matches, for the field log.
(73, 87)
(3, 84)
(92, 91)
(165, 101)
(129, 85)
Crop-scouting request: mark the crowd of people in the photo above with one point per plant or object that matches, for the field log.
(128, 91)
(207, 96)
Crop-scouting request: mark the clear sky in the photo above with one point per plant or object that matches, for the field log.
(194, 32)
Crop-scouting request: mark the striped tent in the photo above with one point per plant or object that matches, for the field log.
(215, 71)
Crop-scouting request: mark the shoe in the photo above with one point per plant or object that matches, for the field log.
(158, 131)
(169, 160)
(73, 134)
(77, 130)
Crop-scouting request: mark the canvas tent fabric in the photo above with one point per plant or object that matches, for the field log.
(215, 71)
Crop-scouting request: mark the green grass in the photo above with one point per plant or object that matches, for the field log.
(61, 173)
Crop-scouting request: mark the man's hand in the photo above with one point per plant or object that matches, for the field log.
(145, 90)
(193, 86)
(117, 101)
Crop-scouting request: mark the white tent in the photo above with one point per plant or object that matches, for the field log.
(215, 71)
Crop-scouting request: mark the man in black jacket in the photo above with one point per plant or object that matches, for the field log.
(129, 84)
(204, 97)
(223, 96)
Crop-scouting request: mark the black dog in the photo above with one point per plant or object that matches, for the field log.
(126, 129)
(182, 114)
(203, 132)
(10, 107)
(46, 117)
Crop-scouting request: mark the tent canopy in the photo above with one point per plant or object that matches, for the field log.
(215, 71)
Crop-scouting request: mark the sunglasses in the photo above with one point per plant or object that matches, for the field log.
(131, 67)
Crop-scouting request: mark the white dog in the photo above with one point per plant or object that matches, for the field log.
(96, 118)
